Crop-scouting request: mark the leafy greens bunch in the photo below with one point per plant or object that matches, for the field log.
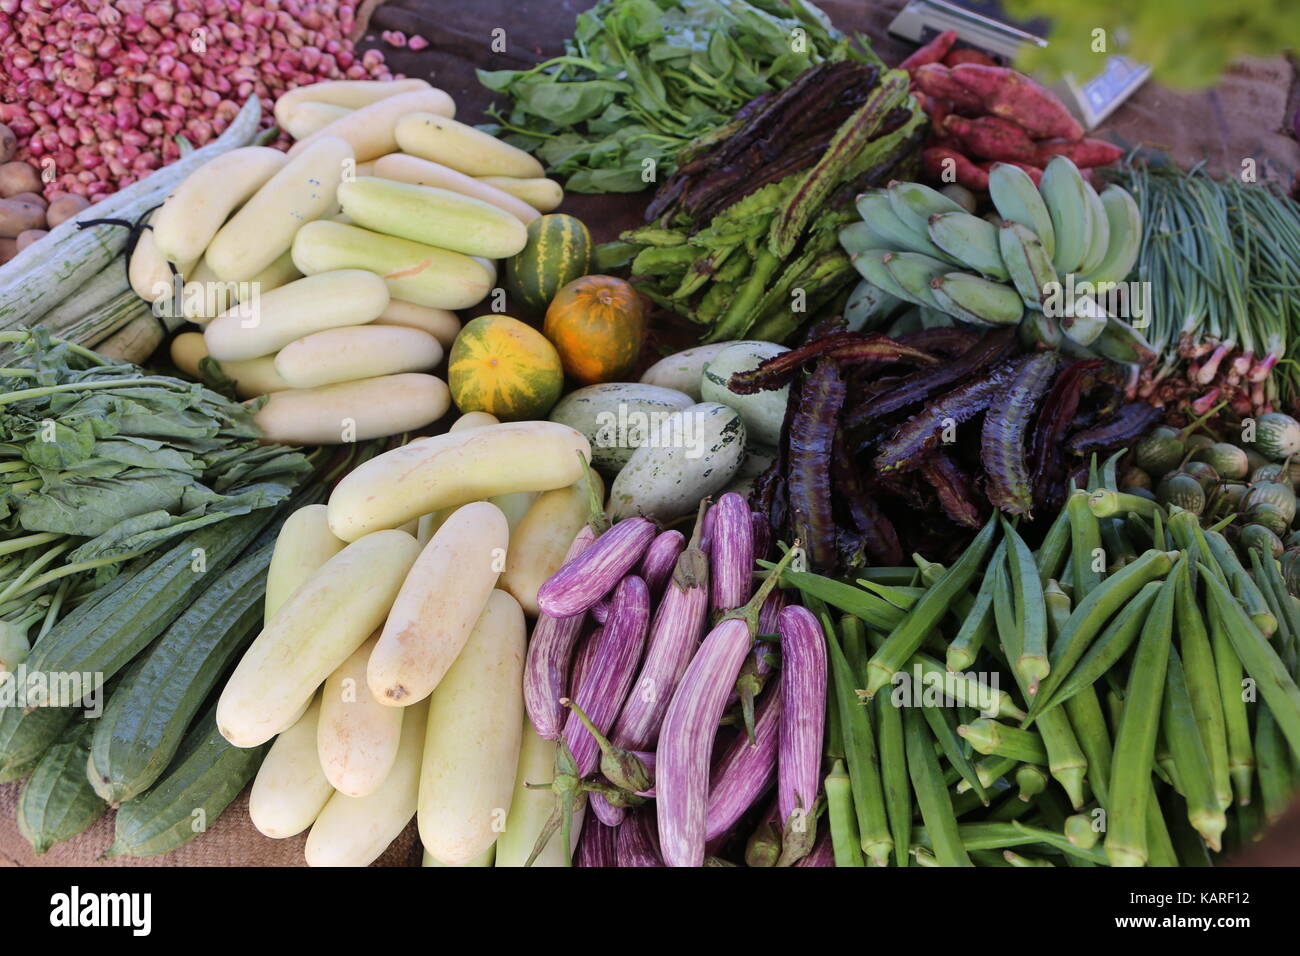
(102, 462)
(642, 78)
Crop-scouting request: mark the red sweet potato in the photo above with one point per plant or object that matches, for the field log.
(934, 79)
(1014, 96)
(1035, 173)
(992, 137)
(932, 52)
(967, 55)
(943, 164)
(933, 107)
(1083, 152)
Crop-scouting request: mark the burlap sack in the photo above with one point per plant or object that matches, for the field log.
(1247, 115)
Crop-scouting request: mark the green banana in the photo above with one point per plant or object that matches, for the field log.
(934, 319)
(962, 196)
(973, 299)
(1027, 261)
(1039, 331)
(869, 306)
(858, 236)
(1125, 223)
(1120, 342)
(971, 240)
(876, 211)
(906, 323)
(915, 203)
(1018, 199)
(913, 271)
(1100, 231)
(1067, 203)
(871, 267)
(1087, 323)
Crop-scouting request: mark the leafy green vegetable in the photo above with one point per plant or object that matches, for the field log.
(642, 78)
(101, 462)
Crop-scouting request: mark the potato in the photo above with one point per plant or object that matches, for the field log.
(8, 143)
(8, 249)
(17, 217)
(19, 178)
(25, 239)
(36, 199)
(65, 207)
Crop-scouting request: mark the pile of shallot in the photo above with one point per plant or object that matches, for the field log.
(687, 700)
(95, 93)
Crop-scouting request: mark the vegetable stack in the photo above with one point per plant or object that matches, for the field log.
(621, 747)
(1058, 249)
(877, 457)
(641, 79)
(1130, 735)
(743, 241)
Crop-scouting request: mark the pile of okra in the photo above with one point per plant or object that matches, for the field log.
(1123, 695)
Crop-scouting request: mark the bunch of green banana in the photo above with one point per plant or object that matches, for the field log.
(926, 247)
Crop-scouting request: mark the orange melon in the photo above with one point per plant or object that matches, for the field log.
(597, 324)
(501, 366)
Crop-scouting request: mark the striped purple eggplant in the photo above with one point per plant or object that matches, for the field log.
(637, 845)
(744, 771)
(762, 535)
(753, 675)
(600, 610)
(678, 624)
(550, 651)
(704, 521)
(803, 714)
(691, 724)
(598, 845)
(660, 559)
(611, 815)
(582, 659)
(588, 577)
(731, 561)
(823, 852)
(613, 666)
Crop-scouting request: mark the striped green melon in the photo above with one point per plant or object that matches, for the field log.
(558, 251)
(501, 366)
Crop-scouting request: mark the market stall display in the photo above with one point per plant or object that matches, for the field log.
(928, 540)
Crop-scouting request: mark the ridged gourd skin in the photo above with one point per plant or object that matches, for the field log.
(504, 367)
(597, 324)
(558, 252)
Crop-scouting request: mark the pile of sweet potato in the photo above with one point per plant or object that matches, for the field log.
(981, 113)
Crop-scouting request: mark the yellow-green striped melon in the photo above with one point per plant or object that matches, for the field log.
(501, 366)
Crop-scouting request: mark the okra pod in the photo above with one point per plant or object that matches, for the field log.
(906, 639)
(1191, 762)
(1051, 554)
(1135, 742)
(931, 795)
(1236, 720)
(1091, 613)
(978, 624)
(1086, 552)
(1245, 589)
(891, 746)
(1202, 680)
(1274, 766)
(1031, 780)
(992, 738)
(1261, 662)
(943, 726)
(843, 824)
(1030, 665)
(1107, 649)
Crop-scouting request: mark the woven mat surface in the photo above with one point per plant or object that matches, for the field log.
(1246, 116)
